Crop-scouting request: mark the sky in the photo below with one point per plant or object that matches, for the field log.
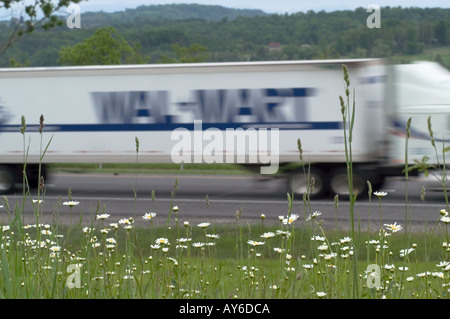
(268, 6)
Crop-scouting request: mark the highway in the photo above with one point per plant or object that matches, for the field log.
(216, 198)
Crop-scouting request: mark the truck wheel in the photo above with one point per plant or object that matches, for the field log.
(6, 179)
(33, 175)
(339, 183)
(316, 186)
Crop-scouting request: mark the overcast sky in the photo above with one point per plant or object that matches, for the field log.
(269, 6)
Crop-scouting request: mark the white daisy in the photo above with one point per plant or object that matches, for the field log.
(71, 203)
(149, 216)
(380, 194)
(393, 227)
(103, 216)
(255, 243)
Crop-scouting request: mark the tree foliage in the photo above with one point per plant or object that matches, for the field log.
(42, 13)
(104, 47)
(162, 33)
(192, 54)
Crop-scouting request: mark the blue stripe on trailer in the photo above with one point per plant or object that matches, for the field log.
(171, 127)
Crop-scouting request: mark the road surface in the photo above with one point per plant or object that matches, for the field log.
(216, 198)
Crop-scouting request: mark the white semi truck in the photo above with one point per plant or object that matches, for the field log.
(245, 113)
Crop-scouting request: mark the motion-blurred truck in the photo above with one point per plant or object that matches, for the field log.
(182, 113)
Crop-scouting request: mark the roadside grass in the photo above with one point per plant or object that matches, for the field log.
(438, 54)
(164, 168)
(228, 247)
(214, 261)
(146, 168)
(297, 258)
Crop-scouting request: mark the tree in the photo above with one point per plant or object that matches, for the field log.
(425, 31)
(104, 47)
(192, 54)
(35, 13)
(380, 49)
(440, 32)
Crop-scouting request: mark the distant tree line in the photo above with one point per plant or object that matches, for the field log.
(242, 36)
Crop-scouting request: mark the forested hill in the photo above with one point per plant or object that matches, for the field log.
(143, 15)
(249, 35)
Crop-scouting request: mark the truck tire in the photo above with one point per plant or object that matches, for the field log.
(33, 175)
(7, 180)
(339, 183)
(318, 184)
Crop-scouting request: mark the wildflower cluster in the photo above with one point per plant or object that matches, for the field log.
(279, 243)
(112, 263)
(103, 265)
(395, 267)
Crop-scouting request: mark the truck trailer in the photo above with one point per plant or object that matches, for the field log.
(247, 113)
